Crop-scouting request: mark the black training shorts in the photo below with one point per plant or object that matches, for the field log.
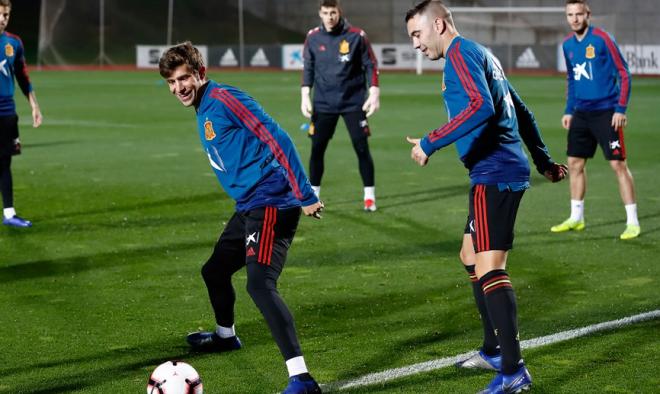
(261, 236)
(589, 129)
(323, 125)
(492, 217)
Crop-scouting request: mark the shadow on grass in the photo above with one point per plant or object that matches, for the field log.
(119, 368)
(71, 265)
(175, 201)
(389, 200)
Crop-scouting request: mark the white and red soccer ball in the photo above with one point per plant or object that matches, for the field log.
(174, 377)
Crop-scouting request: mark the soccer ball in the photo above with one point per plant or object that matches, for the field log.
(174, 377)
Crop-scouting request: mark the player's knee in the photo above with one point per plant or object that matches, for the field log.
(259, 284)
(467, 257)
(361, 146)
(212, 272)
(619, 166)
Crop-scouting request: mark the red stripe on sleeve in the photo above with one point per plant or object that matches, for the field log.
(264, 135)
(468, 84)
(618, 61)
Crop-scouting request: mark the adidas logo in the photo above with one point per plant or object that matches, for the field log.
(259, 59)
(250, 252)
(228, 59)
(527, 59)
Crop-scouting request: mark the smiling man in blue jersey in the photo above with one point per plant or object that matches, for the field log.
(598, 93)
(488, 123)
(258, 166)
(12, 65)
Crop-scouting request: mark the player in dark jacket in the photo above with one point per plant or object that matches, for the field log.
(339, 63)
(12, 65)
(488, 123)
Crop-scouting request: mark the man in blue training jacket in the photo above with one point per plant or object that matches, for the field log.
(598, 93)
(12, 65)
(258, 166)
(487, 120)
(340, 64)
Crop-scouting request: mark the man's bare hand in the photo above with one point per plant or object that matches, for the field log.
(417, 153)
(314, 210)
(556, 173)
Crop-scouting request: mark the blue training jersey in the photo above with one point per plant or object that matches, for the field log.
(252, 157)
(597, 74)
(482, 117)
(12, 65)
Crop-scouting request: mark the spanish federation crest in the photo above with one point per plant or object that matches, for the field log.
(209, 133)
(9, 50)
(591, 52)
(344, 47)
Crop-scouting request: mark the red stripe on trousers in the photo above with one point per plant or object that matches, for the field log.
(623, 144)
(265, 236)
(478, 217)
(485, 218)
(270, 245)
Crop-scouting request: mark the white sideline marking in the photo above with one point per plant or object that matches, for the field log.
(396, 373)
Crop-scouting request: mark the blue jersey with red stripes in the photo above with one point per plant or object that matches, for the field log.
(12, 65)
(252, 157)
(339, 64)
(597, 74)
(482, 117)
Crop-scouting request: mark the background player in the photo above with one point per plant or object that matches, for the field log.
(598, 94)
(338, 63)
(487, 120)
(258, 166)
(12, 65)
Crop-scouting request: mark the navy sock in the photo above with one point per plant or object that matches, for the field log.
(490, 346)
(501, 304)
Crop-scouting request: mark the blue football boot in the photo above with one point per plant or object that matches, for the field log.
(299, 386)
(16, 222)
(209, 341)
(481, 360)
(508, 384)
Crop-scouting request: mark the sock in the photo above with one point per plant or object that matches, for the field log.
(296, 366)
(577, 210)
(317, 191)
(490, 346)
(225, 332)
(370, 193)
(631, 212)
(9, 212)
(501, 304)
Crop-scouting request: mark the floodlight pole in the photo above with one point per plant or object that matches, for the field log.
(42, 19)
(170, 18)
(241, 35)
(101, 32)
(103, 58)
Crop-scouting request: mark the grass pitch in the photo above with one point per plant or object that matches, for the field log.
(126, 209)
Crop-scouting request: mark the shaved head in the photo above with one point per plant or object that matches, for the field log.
(432, 9)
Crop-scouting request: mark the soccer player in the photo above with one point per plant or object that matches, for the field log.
(258, 166)
(488, 119)
(598, 94)
(339, 63)
(12, 65)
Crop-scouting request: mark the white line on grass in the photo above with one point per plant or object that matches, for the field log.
(396, 373)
